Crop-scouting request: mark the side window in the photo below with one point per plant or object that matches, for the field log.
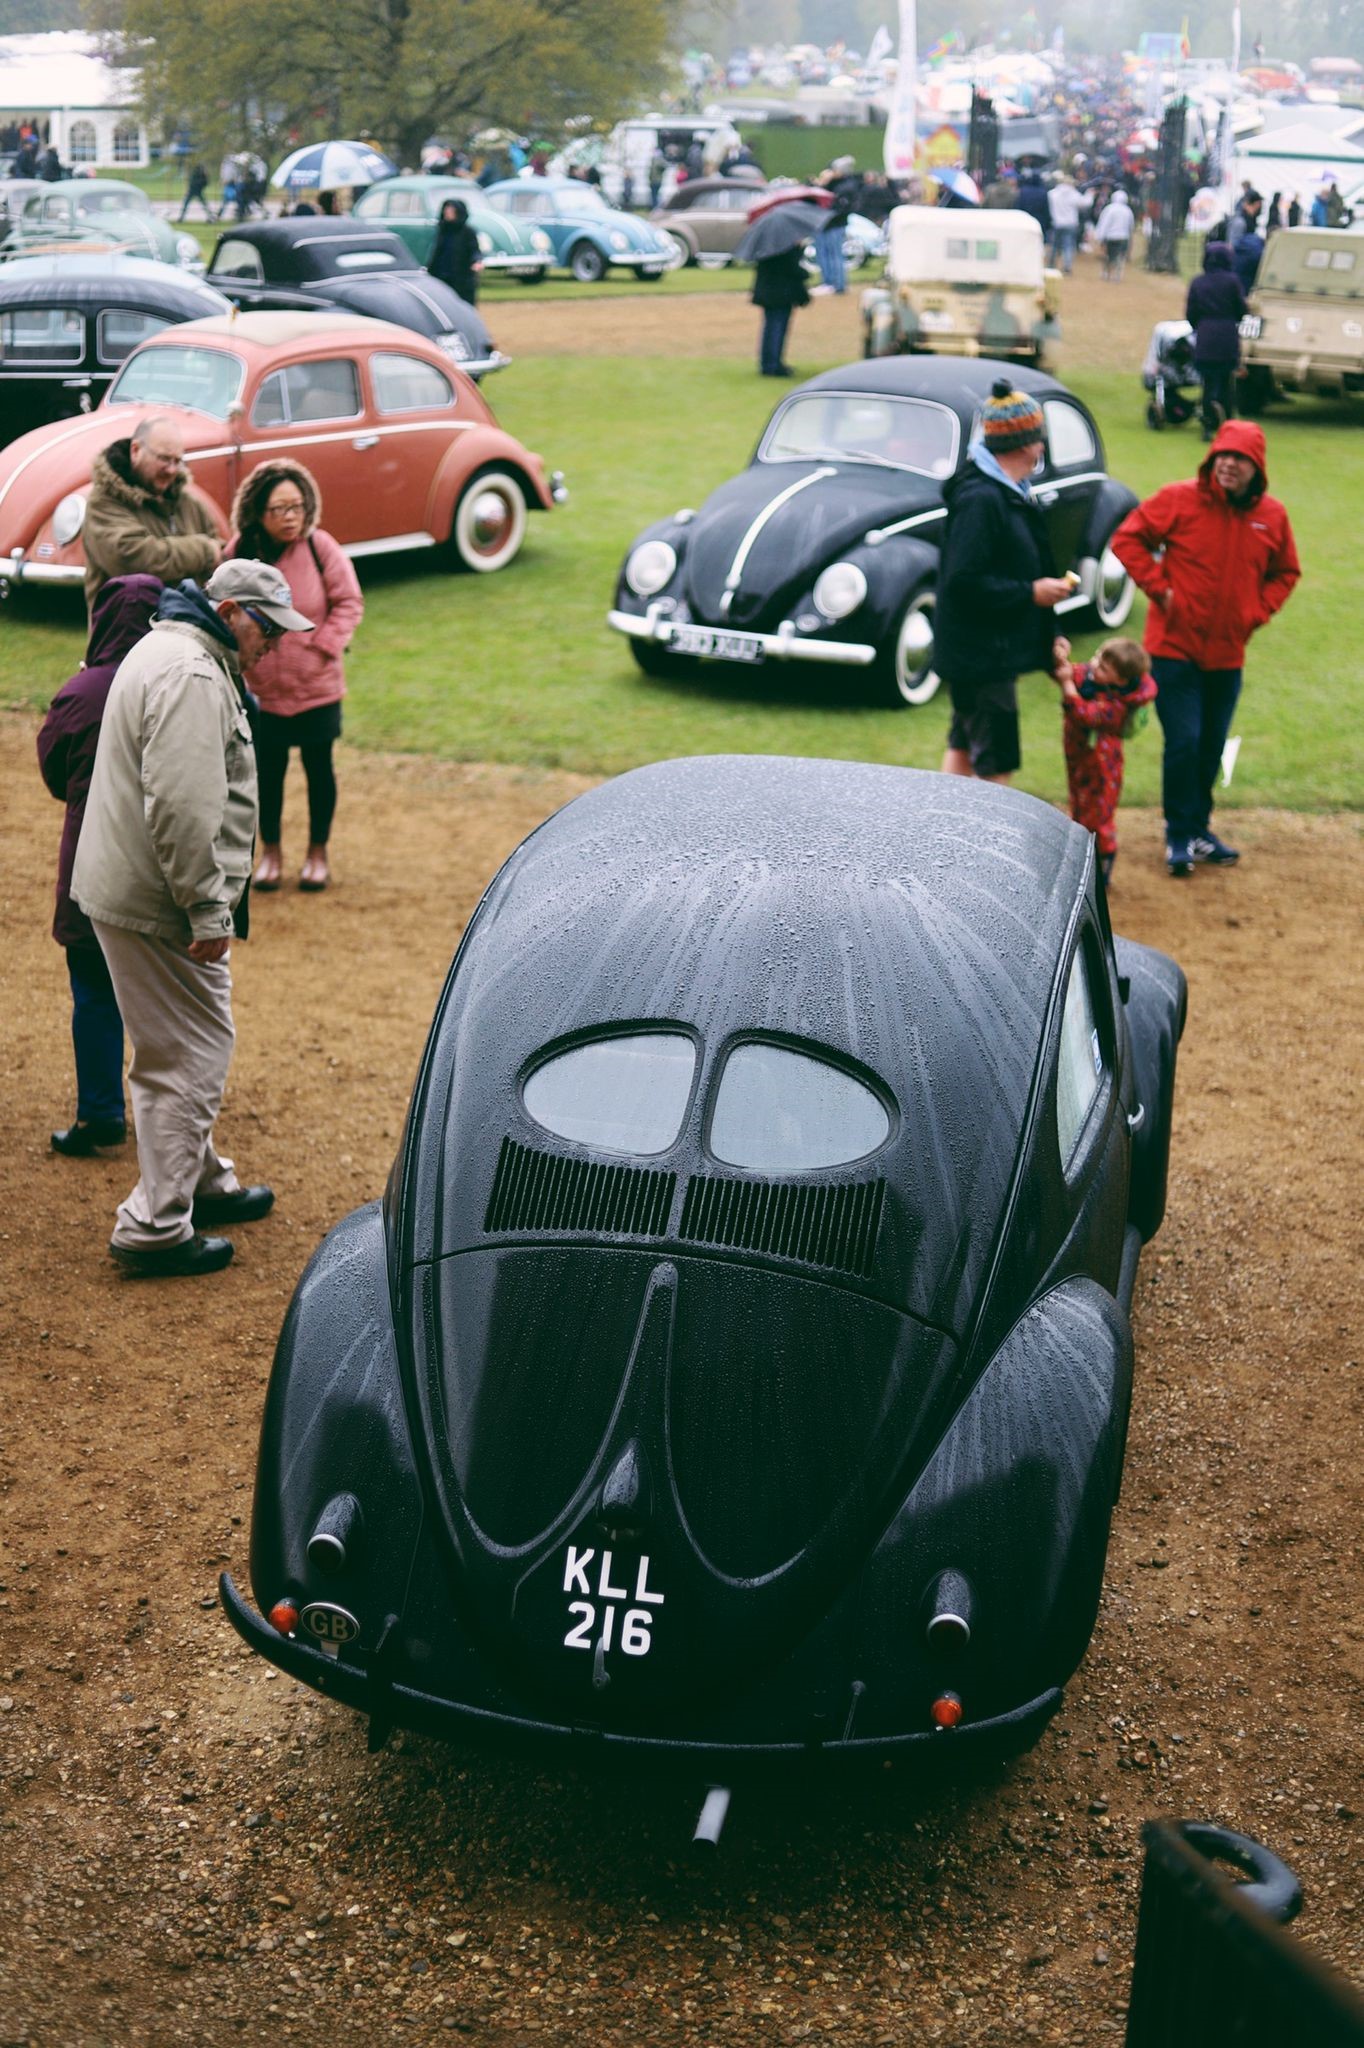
(328, 390)
(405, 206)
(308, 391)
(624, 1094)
(1080, 1064)
(120, 329)
(42, 334)
(238, 259)
(1068, 435)
(55, 210)
(779, 1111)
(269, 409)
(407, 384)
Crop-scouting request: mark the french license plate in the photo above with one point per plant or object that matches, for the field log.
(719, 646)
(1249, 329)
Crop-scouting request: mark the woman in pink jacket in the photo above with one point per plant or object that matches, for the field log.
(300, 686)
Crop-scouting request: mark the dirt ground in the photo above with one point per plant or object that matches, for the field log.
(195, 1850)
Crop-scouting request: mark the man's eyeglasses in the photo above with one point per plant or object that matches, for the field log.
(267, 626)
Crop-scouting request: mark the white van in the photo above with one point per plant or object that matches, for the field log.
(631, 146)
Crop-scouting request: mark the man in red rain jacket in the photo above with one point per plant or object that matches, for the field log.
(1215, 555)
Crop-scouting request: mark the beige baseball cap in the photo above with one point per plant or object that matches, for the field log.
(261, 586)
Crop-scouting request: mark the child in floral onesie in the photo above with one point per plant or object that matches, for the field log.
(1103, 701)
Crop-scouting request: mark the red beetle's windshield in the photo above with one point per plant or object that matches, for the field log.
(208, 379)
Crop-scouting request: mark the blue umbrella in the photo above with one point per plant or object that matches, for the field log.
(327, 166)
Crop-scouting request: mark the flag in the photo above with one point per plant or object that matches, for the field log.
(881, 46)
(1184, 48)
(900, 130)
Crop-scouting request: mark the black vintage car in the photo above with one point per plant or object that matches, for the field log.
(273, 266)
(67, 323)
(738, 1367)
(825, 549)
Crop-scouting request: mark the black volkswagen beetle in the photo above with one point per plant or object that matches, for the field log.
(67, 323)
(276, 266)
(825, 549)
(737, 1369)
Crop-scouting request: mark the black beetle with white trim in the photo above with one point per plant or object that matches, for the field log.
(824, 551)
(737, 1369)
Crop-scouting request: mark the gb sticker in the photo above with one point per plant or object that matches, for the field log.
(594, 1616)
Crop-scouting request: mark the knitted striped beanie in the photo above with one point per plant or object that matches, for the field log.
(1010, 419)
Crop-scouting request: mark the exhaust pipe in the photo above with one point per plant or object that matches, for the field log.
(711, 1821)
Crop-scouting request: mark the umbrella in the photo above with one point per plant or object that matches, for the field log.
(787, 195)
(327, 166)
(961, 185)
(780, 228)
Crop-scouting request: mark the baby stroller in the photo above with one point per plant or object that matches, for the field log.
(1168, 373)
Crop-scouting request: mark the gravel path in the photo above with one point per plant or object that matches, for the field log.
(195, 1850)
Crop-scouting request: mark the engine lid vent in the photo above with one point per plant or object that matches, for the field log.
(541, 1191)
(834, 1227)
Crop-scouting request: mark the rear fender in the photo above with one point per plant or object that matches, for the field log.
(1112, 503)
(1156, 1001)
(335, 1423)
(1017, 1498)
(496, 450)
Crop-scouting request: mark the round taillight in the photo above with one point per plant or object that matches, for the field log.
(284, 1616)
(946, 1710)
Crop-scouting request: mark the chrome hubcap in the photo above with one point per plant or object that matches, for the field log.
(490, 519)
(1114, 586)
(914, 656)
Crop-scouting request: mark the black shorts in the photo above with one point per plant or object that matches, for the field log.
(985, 725)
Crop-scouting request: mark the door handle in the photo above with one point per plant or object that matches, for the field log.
(365, 441)
(1047, 497)
(75, 383)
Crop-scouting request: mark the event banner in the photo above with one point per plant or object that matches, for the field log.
(901, 138)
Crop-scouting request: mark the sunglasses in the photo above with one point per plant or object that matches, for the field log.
(267, 626)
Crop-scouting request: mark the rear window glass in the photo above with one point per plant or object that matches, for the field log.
(407, 384)
(624, 1094)
(778, 1111)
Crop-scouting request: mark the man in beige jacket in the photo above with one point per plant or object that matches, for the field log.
(161, 872)
(141, 518)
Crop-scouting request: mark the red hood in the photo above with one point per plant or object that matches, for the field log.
(1237, 437)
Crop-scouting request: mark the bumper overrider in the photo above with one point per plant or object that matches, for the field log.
(369, 1681)
(720, 643)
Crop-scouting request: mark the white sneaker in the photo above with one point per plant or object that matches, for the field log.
(821, 291)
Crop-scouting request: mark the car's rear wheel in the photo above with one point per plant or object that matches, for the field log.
(903, 673)
(490, 522)
(1255, 390)
(685, 251)
(649, 276)
(533, 276)
(587, 263)
(1114, 590)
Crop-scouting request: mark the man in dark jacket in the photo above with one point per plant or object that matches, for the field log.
(1216, 557)
(66, 756)
(997, 585)
(1215, 308)
(778, 288)
(1032, 198)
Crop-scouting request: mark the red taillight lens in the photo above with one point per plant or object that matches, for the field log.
(946, 1710)
(284, 1616)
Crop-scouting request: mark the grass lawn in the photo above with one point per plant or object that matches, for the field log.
(520, 667)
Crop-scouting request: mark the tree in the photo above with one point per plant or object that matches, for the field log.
(267, 71)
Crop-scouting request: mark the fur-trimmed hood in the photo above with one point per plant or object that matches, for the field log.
(112, 471)
(254, 494)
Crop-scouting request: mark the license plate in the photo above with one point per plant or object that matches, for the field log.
(719, 646)
(1249, 329)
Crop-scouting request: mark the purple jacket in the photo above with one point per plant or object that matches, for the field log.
(66, 745)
